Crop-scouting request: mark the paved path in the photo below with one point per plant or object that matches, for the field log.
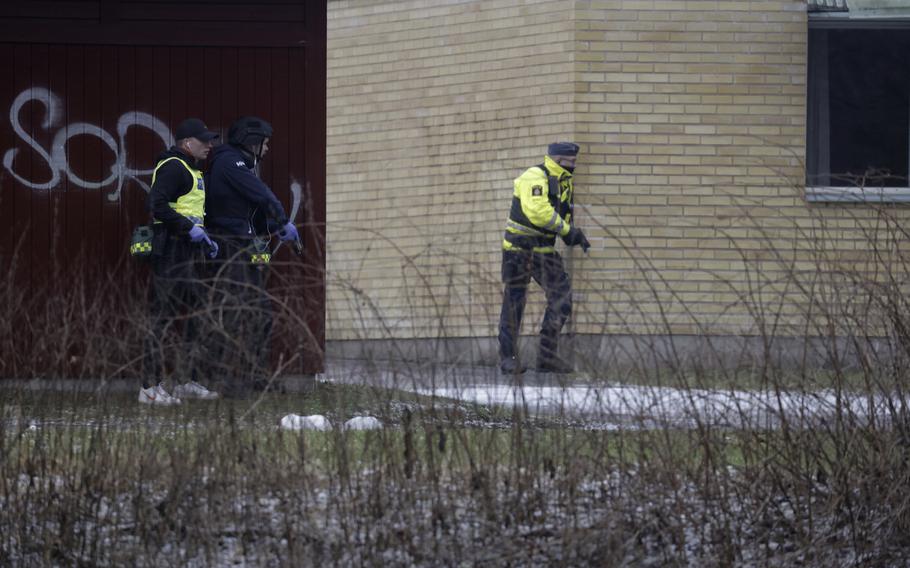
(598, 400)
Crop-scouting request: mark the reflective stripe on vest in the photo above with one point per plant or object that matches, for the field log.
(545, 249)
(192, 203)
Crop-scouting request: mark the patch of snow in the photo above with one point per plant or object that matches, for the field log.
(664, 406)
(297, 422)
(363, 423)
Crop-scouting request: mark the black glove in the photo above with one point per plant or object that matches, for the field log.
(576, 237)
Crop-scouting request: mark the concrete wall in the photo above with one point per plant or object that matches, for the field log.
(692, 120)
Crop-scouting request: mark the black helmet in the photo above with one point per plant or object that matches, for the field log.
(249, 131)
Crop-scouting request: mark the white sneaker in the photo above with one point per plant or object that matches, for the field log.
(156, 395)
(193, 389)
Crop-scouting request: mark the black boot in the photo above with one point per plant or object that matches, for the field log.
(511, 366)
(554, 364)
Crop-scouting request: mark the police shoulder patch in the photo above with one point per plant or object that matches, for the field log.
(537, 190)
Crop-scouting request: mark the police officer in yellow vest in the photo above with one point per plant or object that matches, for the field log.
(177, 203)
(541, 210)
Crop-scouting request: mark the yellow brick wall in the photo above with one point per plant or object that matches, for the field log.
(691, 117)
(433, 109)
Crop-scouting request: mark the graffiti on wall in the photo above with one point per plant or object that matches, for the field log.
(56, 156)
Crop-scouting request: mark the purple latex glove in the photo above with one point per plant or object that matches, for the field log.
(288, 232)
(198, 234)
(213, 248)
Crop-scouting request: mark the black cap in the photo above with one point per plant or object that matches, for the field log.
(562, 149)
(194, 128)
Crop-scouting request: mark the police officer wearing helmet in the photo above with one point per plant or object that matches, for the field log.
(243, 215)
(542, 205)
(177, 203)
(243, 206)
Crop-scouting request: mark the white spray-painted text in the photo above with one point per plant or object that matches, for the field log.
(58, 162)
(56, 157)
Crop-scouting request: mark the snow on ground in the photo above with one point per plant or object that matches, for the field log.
(603, 405)
(296, 422)
(662, 405)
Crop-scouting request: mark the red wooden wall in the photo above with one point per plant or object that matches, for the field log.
(90, 92)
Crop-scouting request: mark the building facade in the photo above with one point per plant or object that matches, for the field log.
(697, 122)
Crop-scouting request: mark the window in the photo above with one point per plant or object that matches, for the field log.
(858, 130)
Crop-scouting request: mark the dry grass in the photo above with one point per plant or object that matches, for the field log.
(94, 480)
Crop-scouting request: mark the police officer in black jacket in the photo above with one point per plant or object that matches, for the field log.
(177, 202)
(242, 215)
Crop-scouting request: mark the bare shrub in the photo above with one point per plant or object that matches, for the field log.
(748, 456)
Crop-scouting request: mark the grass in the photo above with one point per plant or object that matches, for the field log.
(102, 480)
(338, 402)
(99, 480)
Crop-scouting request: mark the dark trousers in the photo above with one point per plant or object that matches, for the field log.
(241, 329)
(174, 302)
(518, 268)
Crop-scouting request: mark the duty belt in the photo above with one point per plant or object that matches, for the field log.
(529, 242)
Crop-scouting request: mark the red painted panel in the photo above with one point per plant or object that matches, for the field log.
(132, 95)
(112, 210)
(210, 88)
(229, 95)
(24, 151)
(78, 235)
(276, 89)
(39, 206)
(7, 140)
(246, 87)
(112, 107)
(98, 154)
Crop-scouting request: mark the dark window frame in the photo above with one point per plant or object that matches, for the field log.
(821, 189)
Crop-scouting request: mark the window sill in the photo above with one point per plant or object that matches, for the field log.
(857, 194)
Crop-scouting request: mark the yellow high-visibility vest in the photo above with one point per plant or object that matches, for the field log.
(192, 203)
